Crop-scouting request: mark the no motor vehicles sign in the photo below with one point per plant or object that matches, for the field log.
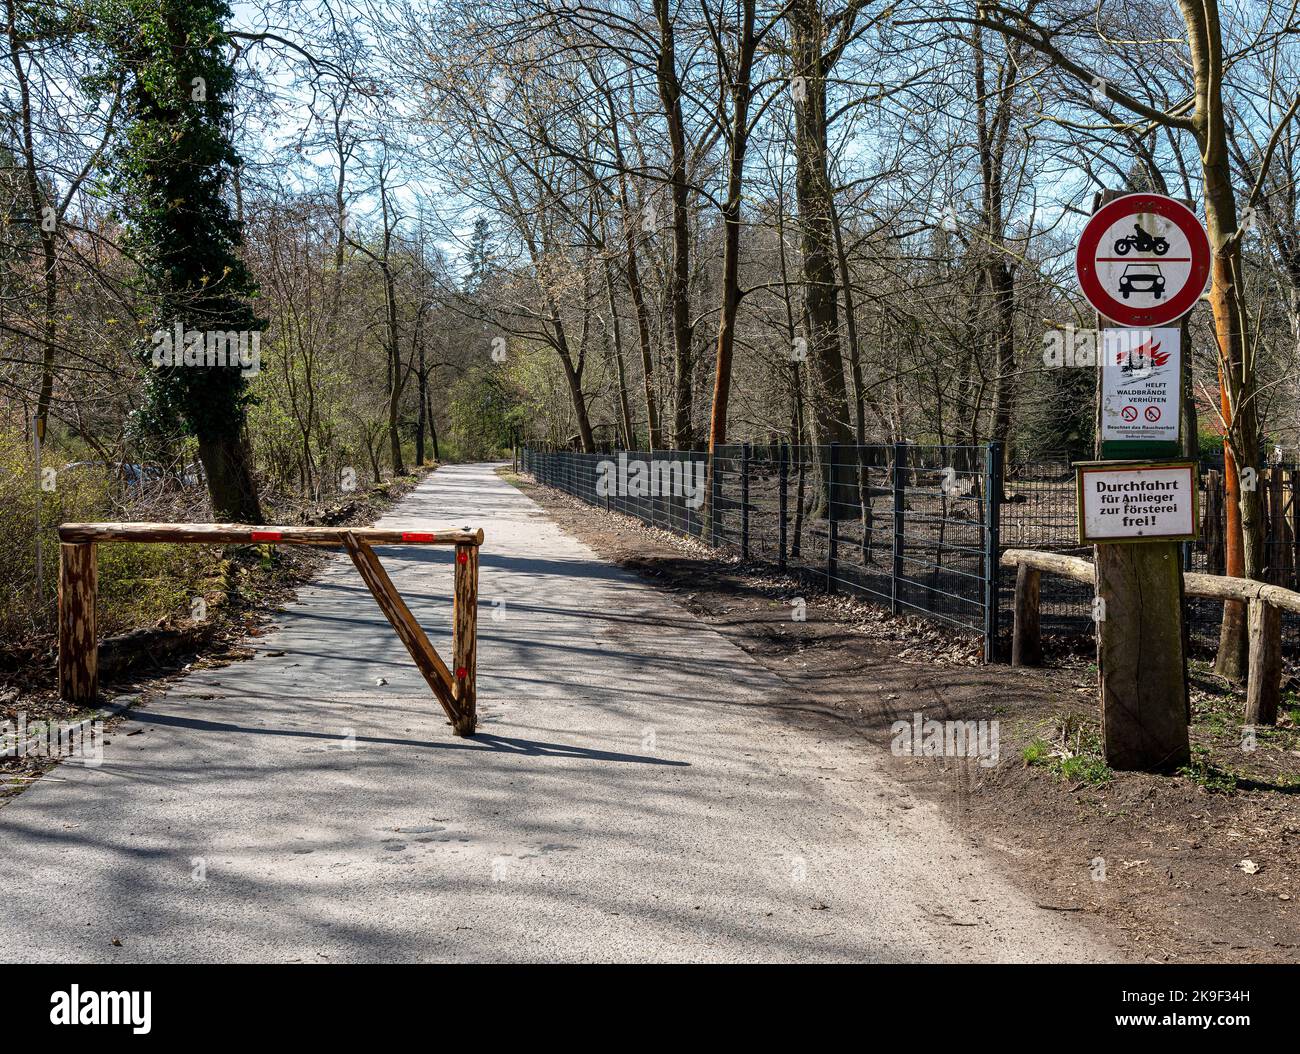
(1131, 501)
(1143, 260)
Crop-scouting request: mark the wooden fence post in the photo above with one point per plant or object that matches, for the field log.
(1212, 523)
(1265, 676)
(464, 646)
(78, 644)
(1026, 639)
(1275, 546)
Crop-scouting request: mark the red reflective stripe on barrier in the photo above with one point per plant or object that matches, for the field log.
(415, 536)
(266, 536)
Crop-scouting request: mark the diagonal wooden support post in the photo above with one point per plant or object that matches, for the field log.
(408, 630)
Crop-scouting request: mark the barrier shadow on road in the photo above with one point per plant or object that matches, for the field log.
(480, 742)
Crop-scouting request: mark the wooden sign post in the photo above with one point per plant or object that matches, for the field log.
(1136, 513)
(1142, 262)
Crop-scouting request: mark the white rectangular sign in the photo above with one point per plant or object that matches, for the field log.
(1141, 379)
(1128, 501)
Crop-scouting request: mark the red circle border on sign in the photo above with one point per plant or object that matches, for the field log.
(1131, 205)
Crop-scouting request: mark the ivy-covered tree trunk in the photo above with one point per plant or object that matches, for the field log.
(173, 164)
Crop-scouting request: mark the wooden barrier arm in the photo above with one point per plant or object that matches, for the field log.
(79, 647)
(245, 534)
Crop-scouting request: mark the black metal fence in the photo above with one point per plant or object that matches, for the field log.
(914, 527)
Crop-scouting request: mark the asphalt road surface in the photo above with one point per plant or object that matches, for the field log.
(629, 797)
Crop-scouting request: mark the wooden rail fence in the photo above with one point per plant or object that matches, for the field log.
(1265, 605)
(455, 687)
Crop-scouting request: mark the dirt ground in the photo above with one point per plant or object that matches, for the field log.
(1200, 866)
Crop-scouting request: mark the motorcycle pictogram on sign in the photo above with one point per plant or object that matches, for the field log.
(1143, 260)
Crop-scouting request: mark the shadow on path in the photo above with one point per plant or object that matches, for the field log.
(480, 742)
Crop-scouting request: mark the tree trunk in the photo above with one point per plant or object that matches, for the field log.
(44, 226)
(632, 273)
(817, 236)
(620, 372)
(1000, 275)
(670, 93)
(422, 380)
(227, 462)
(573, 377)
(1244, 535)
(738, 144)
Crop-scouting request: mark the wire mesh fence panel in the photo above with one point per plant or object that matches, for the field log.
(1039, 511)
(903, 525)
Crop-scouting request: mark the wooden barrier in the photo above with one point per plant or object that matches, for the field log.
(1265, 603)
(456, 692)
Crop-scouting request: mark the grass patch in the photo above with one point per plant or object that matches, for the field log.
(1074, 754)
(1203, 772)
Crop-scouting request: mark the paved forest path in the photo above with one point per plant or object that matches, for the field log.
(627, 798)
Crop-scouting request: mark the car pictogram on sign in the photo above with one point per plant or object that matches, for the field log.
(1142, 277)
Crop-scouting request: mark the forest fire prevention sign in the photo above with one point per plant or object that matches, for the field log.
(1143, 260)
(1140, 385)
(1136, 501)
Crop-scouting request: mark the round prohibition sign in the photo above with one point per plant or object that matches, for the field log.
(1153, 414)
(1143, 260)
(1129, 413)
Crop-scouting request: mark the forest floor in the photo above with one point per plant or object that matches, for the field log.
(1199, 866)
(256, 582)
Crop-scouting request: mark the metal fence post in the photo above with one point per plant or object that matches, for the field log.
(900, 497)
(992, 546)
(744, 501)
(715, 494)
(833, 541)
(784, 473)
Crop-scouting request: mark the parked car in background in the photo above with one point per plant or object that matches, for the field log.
(131, 475)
